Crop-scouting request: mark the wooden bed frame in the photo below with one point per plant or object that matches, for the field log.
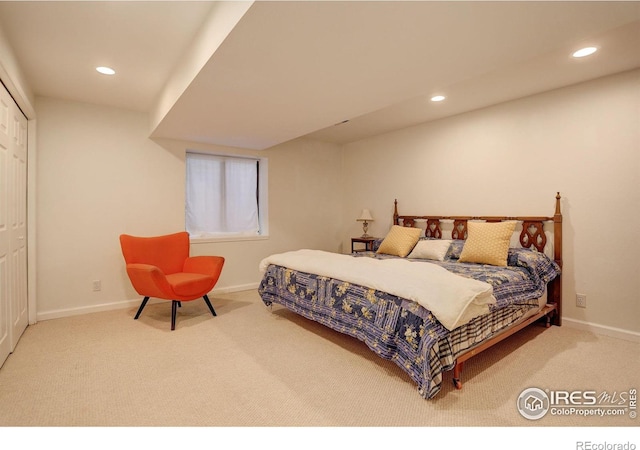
(532, 235)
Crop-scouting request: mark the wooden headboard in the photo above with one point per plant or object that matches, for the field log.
(532, 235)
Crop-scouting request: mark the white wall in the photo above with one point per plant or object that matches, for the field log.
(510, 159)
(100, 176)
(13, 78)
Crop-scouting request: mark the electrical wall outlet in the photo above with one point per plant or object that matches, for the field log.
(97, 285)
(581, 300)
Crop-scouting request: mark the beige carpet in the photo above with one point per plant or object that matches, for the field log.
(254, 367)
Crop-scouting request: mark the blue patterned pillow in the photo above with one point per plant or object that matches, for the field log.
(455, 250)
(537, 263)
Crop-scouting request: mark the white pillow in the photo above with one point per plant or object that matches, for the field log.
(435, 249)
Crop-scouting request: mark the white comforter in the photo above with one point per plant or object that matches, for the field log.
(453, 299)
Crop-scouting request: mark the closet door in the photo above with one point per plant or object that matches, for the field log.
(18, 222)
(5, 233)
(13, 224)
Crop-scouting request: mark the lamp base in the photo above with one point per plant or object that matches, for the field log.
(365, 228)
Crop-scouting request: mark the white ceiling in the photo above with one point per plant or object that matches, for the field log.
(296, 68)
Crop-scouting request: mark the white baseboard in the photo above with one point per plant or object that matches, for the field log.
(237, 288)
(135, 303)
(619, 333)
(59, 313)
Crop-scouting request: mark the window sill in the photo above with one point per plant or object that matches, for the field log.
(205, 240)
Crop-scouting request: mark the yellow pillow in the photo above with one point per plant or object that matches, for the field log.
(400, 241)
(487, 242)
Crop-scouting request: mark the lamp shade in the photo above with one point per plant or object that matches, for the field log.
(365, 216)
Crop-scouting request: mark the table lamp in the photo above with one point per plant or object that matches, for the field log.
(365, 218)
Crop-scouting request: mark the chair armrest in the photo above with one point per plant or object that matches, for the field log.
(148, 280)
(206, 265)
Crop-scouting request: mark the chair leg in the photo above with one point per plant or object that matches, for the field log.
(174, 307)
(206, 299)
(144, 303)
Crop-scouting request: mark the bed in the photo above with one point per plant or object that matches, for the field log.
(426, 297)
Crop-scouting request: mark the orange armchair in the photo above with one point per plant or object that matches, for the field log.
(161, 267)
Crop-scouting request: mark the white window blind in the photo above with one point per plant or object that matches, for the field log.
(222, 195)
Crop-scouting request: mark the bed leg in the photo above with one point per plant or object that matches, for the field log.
(550, 317)
(456, 375)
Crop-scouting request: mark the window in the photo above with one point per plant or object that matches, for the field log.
(224, 196)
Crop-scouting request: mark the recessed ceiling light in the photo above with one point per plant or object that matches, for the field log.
(437, 98)
(106, 70)
(584, 52)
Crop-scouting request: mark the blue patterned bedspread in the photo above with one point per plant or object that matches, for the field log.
(403, 331)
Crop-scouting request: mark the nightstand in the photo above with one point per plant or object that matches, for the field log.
(368, 244)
